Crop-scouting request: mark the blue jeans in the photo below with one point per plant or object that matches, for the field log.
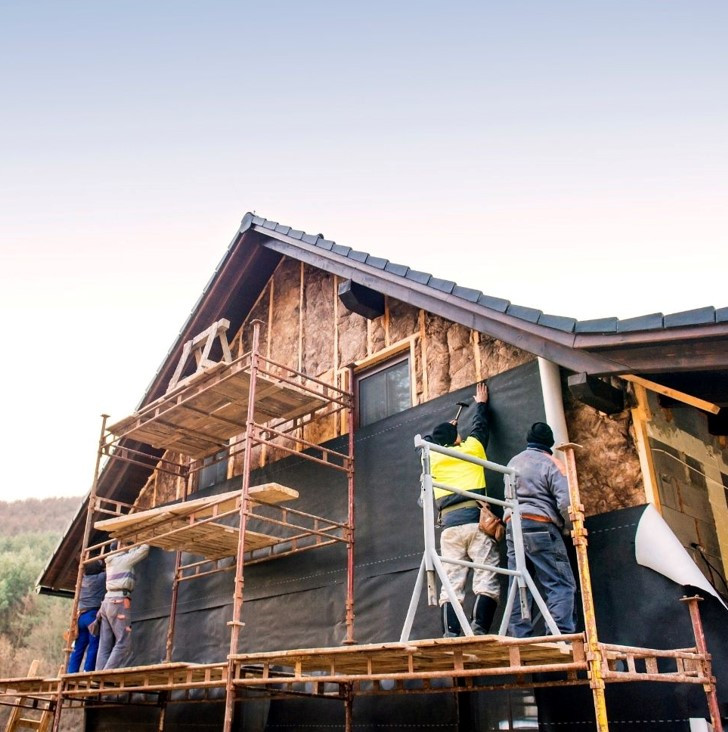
(85, 641)
(548, 564)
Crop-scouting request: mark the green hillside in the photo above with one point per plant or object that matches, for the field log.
(31, 626)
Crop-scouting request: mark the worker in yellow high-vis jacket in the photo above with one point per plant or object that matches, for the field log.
(461, 538)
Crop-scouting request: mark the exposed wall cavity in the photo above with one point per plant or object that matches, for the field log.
(608, 465)
(691, 469)
(306, 327)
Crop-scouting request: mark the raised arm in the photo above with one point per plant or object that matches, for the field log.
(481, 428)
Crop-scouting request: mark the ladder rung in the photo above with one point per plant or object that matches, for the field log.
(25, 722)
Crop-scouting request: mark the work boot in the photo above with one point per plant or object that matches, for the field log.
(450, 622)
(483, 614)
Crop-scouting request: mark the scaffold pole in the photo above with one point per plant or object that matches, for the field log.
(578, 535)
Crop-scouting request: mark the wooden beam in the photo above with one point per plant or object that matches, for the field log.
(475, 339)
(301, 284)
(640, 417)
(386, 320)
(672, 393)
(423, 355)
(383, 355)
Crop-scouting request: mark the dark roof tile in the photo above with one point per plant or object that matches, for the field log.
(494, 303)
(597, 325)
(358, 256)
(520, 311)
(397, 269)
(377, 262)
(558, 322)
(699, 316)
(466, 293)
(338, 249)
(442, 285)
(421, 278)
(653, 321)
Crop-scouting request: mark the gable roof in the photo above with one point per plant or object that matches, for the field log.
(596, 346)
(688, 348)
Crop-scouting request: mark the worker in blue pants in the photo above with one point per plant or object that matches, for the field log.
(93, 587)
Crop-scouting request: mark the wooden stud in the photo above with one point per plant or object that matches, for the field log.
(301, 285)
(475, 338)
(423, 349)
(413, 371)
(262, 457)
(640, 417)
(386, 320)
(673, 393)
(336, 326)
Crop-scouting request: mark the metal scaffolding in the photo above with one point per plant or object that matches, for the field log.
(267, 403)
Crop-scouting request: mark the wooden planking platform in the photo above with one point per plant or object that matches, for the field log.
(159, 677)
(189, 526)
(200, 416)
(425, 659)
(28, 686)
(456, 659)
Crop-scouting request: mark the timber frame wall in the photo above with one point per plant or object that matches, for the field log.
(350, 671)
(340, 673)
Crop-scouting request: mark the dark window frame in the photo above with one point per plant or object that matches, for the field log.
(365, 372)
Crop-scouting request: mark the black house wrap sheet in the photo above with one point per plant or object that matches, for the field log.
(298, 601)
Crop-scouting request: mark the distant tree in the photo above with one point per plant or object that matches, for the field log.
(34, 515)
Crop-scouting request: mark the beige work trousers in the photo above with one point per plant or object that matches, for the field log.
(468, 543)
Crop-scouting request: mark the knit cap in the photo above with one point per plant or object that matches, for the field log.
(540, 433)
(445, 434)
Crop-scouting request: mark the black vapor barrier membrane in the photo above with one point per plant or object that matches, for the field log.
(299, 601)
(636, 606)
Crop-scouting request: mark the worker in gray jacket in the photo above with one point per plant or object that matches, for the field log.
(543, 496)
(114, 618)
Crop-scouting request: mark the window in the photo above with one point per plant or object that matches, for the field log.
(384, 390)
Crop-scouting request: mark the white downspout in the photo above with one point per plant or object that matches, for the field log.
(553, 400)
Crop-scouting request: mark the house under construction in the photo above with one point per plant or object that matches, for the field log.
(271, 466)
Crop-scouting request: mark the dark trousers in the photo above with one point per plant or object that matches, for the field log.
(115, 635)
(548, 564)
(85, 641)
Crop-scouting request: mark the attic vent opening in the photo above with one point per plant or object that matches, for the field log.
(361, 300)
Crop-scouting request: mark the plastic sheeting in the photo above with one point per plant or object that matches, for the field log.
(637, 606)
(657, 547)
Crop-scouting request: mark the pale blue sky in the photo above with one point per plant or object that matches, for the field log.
(569, 156)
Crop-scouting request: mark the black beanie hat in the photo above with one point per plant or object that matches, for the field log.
(96, 567)
(540, 433)
(445, 434)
